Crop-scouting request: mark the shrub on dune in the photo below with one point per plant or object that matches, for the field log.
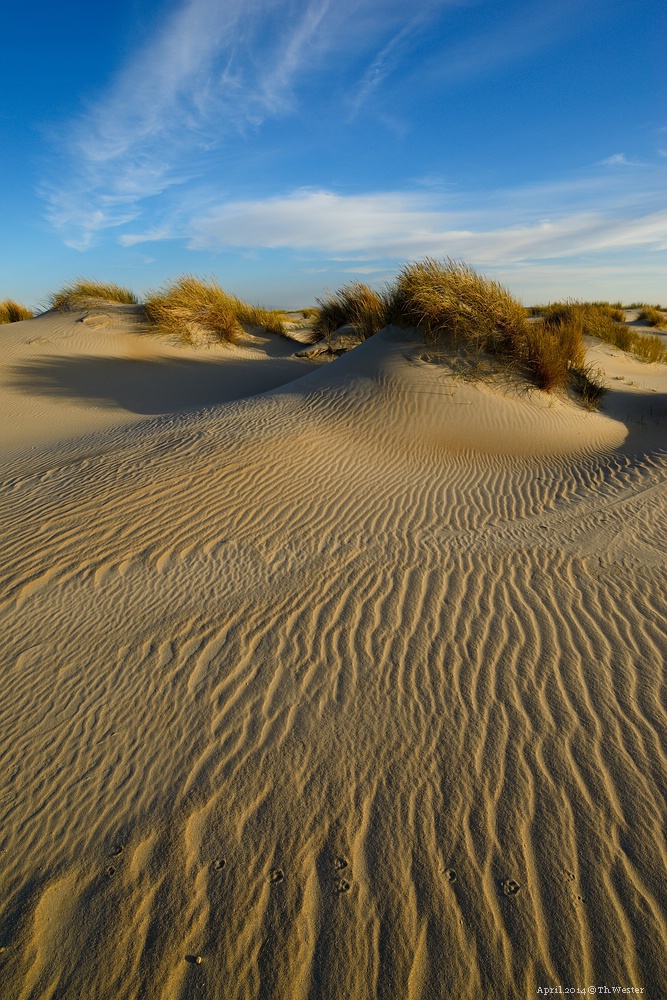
(13, 312)
(198, 308)
(83, 292)
(356, 305)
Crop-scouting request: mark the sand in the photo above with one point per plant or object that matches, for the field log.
(341, 681)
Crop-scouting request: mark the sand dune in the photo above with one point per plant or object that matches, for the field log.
(351, 689)
(67, 374)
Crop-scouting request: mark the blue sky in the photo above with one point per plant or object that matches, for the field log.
(290, 146)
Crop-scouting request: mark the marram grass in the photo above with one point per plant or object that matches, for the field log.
(653, 317)
(356, 305)
(83, 291)
(13, 312)
(594, 319)
(450, 303)
(198, 309)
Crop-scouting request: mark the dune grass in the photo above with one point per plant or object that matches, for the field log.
(449, 301)
(650, 348)
(451, 304)
(356, 305)
(13, 312)
(199, 309)
(83, 291)
(593, 319)
(653, 317)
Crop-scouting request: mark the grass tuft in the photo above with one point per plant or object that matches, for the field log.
(356, 305)
(653, 317)
(650, 348)
(449, 301)
(198, 308)
(13, 312)
(595, 319)
(82, 292)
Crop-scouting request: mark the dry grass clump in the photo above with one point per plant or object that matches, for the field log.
(649, 348)
(448, 300)
(595, 319)
(198, 308)
(13, 312)
(614, 310)
(450, 303)
(82, 292)
(653, 317)
(356, 305)
(588, 318)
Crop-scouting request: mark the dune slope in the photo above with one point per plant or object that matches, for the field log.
(354, 689)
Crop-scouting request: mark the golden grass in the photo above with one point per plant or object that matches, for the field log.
(646, 305)
(83, 291)
(198, 308)
(594, 319)
(650, 348)
(653, 317)
(449, 301)
(356, 305)
(13, 312)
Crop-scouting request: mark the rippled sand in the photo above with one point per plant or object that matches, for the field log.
(354, 689)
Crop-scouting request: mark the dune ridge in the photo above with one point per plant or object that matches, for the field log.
(352, 689)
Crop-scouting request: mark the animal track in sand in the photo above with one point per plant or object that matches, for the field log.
(276, 876)
(219, 864)
(510, 887)
(339, 863)
(110, 871)
(450, 875)
(341, 885)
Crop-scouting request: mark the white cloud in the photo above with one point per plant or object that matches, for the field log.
(400, 225)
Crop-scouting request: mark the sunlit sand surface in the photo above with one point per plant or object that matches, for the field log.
(341, 681)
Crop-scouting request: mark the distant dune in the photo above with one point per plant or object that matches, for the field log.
(339, 681)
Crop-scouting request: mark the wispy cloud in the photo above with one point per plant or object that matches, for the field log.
(393, 52)
(619, 160)
(213, 71)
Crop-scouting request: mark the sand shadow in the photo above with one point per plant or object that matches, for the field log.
(154, 386)
(645, 416)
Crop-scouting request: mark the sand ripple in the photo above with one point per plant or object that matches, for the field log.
(340, 713)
